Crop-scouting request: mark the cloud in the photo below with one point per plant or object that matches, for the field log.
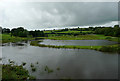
(41, 15)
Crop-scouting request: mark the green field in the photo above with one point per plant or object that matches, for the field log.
(82, 37)
(8, 38)
(69, 31)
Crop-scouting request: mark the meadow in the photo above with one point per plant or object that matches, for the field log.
(5, 38)
(82, 37)
(69, 31)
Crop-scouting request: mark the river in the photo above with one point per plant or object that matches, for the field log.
(72, 63)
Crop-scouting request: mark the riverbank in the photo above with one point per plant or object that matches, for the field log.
(107, 48)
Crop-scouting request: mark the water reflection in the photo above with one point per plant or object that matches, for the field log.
(78, 42)
(75, 64)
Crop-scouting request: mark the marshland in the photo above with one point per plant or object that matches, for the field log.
(61, 56)
(59, 40)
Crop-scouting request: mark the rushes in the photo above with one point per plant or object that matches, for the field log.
(48, 69)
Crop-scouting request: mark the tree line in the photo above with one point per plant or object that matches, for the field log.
(21, 32)
(107, 31)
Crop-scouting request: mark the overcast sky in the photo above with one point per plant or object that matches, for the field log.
(48, 15)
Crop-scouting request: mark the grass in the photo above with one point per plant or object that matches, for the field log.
(8, 38)
(69, 31)
(35, 43)
(82, 37)
(15, 72)
(111, 48)
(79, 37)
(73, 31)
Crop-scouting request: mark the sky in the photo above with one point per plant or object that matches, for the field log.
(39, 14)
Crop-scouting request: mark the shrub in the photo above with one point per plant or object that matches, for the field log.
(108, 49)
(58, 68)
(108, 38)
(15, 72)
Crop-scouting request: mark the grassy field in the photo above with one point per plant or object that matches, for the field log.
(82, 37)
(8, 38)
(73, 31)
(70, 31)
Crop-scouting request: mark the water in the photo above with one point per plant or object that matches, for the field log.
(78, 42)
(73, 63)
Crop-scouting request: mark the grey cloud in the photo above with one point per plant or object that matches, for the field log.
(38, 15)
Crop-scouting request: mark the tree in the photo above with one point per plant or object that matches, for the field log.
(0, 30)
(37, 33)
(20, 32)
(5, 30)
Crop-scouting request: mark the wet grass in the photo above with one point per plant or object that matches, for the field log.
(35, 43)
(112, 48)
(15, 72)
